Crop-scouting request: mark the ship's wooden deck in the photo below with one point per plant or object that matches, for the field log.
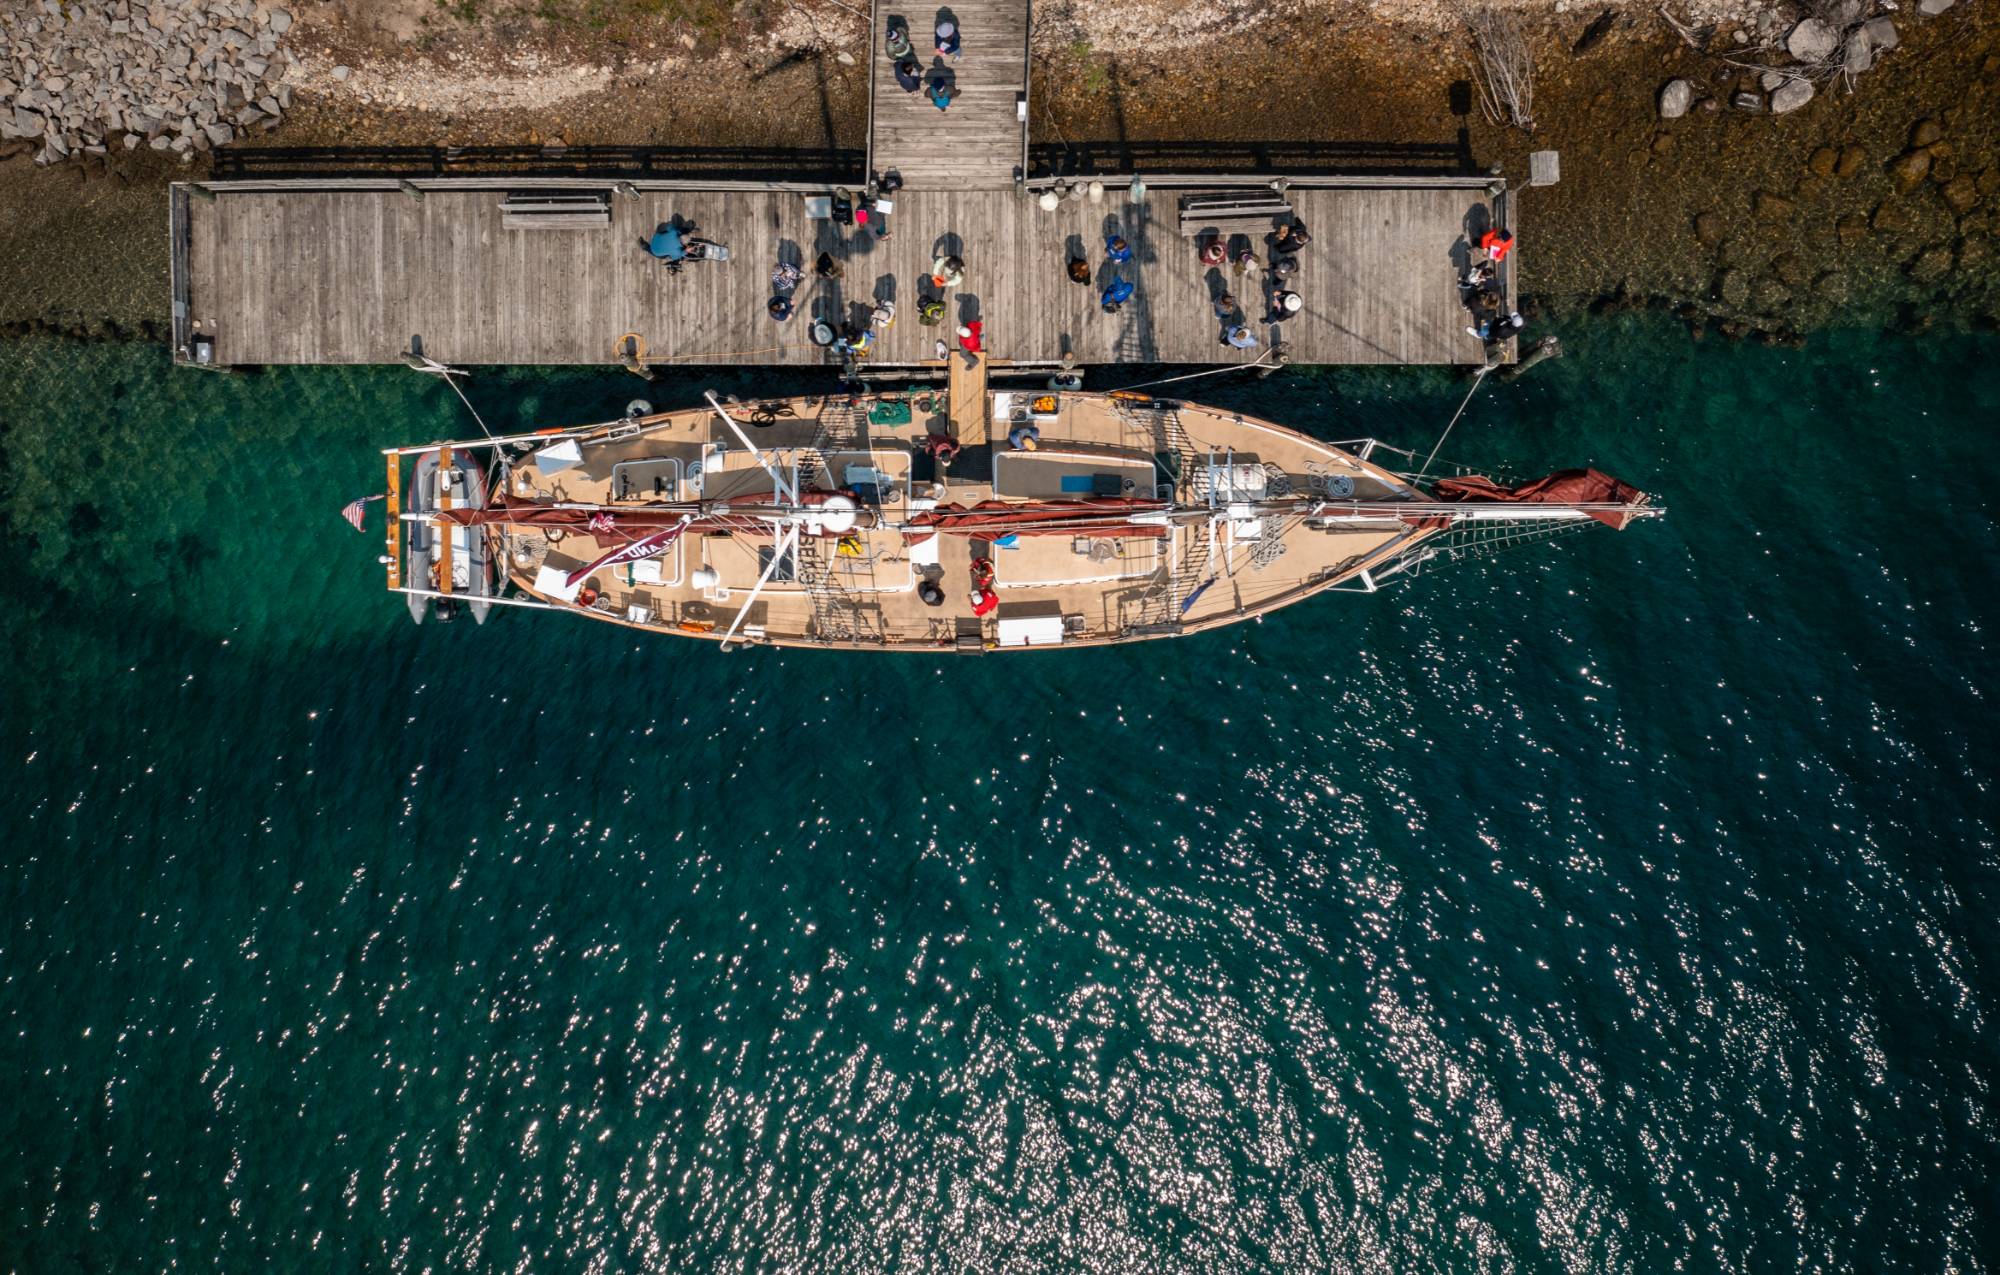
(1107, 587)
(291, 276)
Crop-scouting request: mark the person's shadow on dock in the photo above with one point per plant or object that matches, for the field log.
(1478, 220)
(1218, 288)
(1136, 340)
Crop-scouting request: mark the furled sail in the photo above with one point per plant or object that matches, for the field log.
(1564, 487)
(1105, 516)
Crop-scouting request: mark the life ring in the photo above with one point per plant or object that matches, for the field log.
(586, 597)
(554, 535)
(638, 347)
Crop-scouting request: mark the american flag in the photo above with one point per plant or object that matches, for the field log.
(352, 511)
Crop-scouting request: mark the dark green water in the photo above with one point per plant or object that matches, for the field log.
(1618, 904)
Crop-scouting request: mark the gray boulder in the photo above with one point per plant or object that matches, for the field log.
(1812, 40)
(1881, 34)
(281, 21)
(1675, 99)
(1860, 52)
(1791, 96)
(1932, 8)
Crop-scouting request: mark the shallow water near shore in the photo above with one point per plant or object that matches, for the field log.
(1601, 905)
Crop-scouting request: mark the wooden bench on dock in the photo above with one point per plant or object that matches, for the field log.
(555, 210)
(1199, 212)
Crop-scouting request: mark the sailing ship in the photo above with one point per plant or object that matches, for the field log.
(971, 519)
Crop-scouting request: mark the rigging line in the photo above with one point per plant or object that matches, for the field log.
(1214, 371)
(468, 405)
(425, 363)
(1478, 379)
(731, 354)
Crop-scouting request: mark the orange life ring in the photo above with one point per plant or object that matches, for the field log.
(586, 597)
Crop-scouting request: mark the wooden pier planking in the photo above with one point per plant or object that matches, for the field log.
(349, 276)
(332, 271)
(980, 141)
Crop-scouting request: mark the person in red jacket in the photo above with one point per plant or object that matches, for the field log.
(970, 336)
(1496, 244)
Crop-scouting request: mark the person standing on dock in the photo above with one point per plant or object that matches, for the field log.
(1291, 237)
(1116, 250)
(1117, 293)
(909, 74)
(947, 271)
(947, 35)
(941, 90)
(897, 42)
(1240, 338)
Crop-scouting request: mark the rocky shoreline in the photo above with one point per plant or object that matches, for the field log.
(1686, 186)
(174, 75)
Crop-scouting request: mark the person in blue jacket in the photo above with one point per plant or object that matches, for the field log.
(1117, 293)
(666, 243)
(1117, 249)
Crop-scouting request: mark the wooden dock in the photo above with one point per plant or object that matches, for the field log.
(980, 141)
(352, 270)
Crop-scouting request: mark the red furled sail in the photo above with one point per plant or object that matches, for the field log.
(1564, 487)
(1105, 515)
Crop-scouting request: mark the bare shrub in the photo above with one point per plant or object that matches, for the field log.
(1506, 64)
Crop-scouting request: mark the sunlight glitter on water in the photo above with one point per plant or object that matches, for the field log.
(1611, 906)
